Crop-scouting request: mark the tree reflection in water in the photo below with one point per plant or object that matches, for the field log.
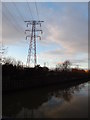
(28, 103)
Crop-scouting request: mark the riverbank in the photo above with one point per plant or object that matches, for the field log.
(19, 78)
(21, 85)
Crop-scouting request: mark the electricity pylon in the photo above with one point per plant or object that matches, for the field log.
(33, 35)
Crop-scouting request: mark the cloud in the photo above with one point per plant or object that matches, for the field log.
(70, 30)
(52, 58)
(70, 26)
(12, 27)
(65, 28)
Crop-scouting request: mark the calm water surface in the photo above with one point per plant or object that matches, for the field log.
(50, 102)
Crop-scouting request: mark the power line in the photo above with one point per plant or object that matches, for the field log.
(29, 8)
(11, 17)
(13, 22)
(14, 26)
(18, 10)
(37, 9)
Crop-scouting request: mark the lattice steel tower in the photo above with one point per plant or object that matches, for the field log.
(32, 35)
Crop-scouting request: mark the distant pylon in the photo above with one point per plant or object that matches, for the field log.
(32, 45)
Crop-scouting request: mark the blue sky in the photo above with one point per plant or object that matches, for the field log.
(65, 30)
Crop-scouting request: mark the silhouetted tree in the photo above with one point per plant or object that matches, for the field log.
(64, 66)
(8, 61)
(37, 66)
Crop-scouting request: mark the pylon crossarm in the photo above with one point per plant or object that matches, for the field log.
(27, 31)
(27, 36)
(39, 37)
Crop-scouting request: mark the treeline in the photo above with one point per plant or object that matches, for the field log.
(15, 75)
(15, 69)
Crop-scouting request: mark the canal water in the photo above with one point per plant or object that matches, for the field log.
(67, 101)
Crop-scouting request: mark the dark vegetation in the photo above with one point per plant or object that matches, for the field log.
(15, 76)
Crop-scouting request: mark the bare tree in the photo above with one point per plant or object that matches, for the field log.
(64, 66)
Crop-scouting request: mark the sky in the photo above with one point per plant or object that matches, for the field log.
(65, 31)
